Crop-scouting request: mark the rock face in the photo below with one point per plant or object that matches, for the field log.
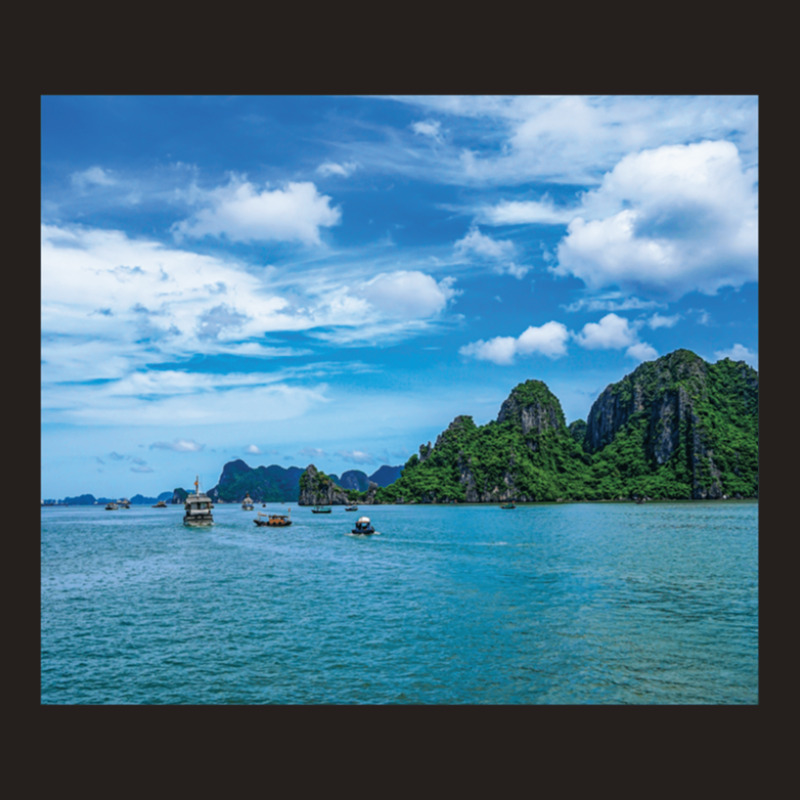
(263, 484)
(677, 427)
(386, 475)
(317, 488)
(678, 405)
(533, 407)
(659, 387)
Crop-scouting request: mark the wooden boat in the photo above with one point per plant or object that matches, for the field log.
(160, 504)
(363, 526)
(321, 510)
(111, 507)
(273, 520)
(197, 508)
(351, 508)
(508, 505)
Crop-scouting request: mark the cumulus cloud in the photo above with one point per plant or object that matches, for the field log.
(242, 212)
(641, 351)
(252, 449)
(549, 340)
(739, 353)
(613, 332)
(407, 293)
(673, 220)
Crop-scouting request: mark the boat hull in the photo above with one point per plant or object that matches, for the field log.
(194, 522)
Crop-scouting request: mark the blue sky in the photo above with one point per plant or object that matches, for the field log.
(332, 279)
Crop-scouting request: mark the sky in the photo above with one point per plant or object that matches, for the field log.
(333, 279)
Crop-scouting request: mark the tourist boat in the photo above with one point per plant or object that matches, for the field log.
(351, 508)
(160, 504)
(321, 510)
(273, 520)
(111, 507)
(508, 505)
(198, 508)
(363, 526)
(247, 503)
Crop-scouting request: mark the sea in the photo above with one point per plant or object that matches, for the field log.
(543, 604)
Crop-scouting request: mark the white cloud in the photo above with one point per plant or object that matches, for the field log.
(312, 452)
(243, 213)
(500, 350)
(641, 351)
(575, 139)
(611, 333)
(179, 446)
(611, 301)
(669, 221)
(112, 404)
(343, 170)
(615, 333)
(252, 449)
(499, 252)
(430, 128)
(409, 294)
(528, 212)
(485, 246)
(549, 339)
(357, 456)
(94, 176)
(659, 321)
(739, 353)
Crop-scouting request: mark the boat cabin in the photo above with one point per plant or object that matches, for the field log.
(197, 508)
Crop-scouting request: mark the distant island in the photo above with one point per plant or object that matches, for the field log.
(677, 427)
(271, 484)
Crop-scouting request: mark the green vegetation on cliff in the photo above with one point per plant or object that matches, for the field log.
(675, 428)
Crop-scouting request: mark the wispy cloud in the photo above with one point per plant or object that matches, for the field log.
(94, 176)
(342, 170)
(179, 446)
(357, 456)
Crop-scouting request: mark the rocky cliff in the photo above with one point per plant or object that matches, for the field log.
(317, 488)
(692, 421)
(676, 427)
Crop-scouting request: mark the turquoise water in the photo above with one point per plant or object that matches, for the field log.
(606, 603)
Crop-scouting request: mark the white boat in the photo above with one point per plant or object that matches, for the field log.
(198, 508)
(364, 526)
